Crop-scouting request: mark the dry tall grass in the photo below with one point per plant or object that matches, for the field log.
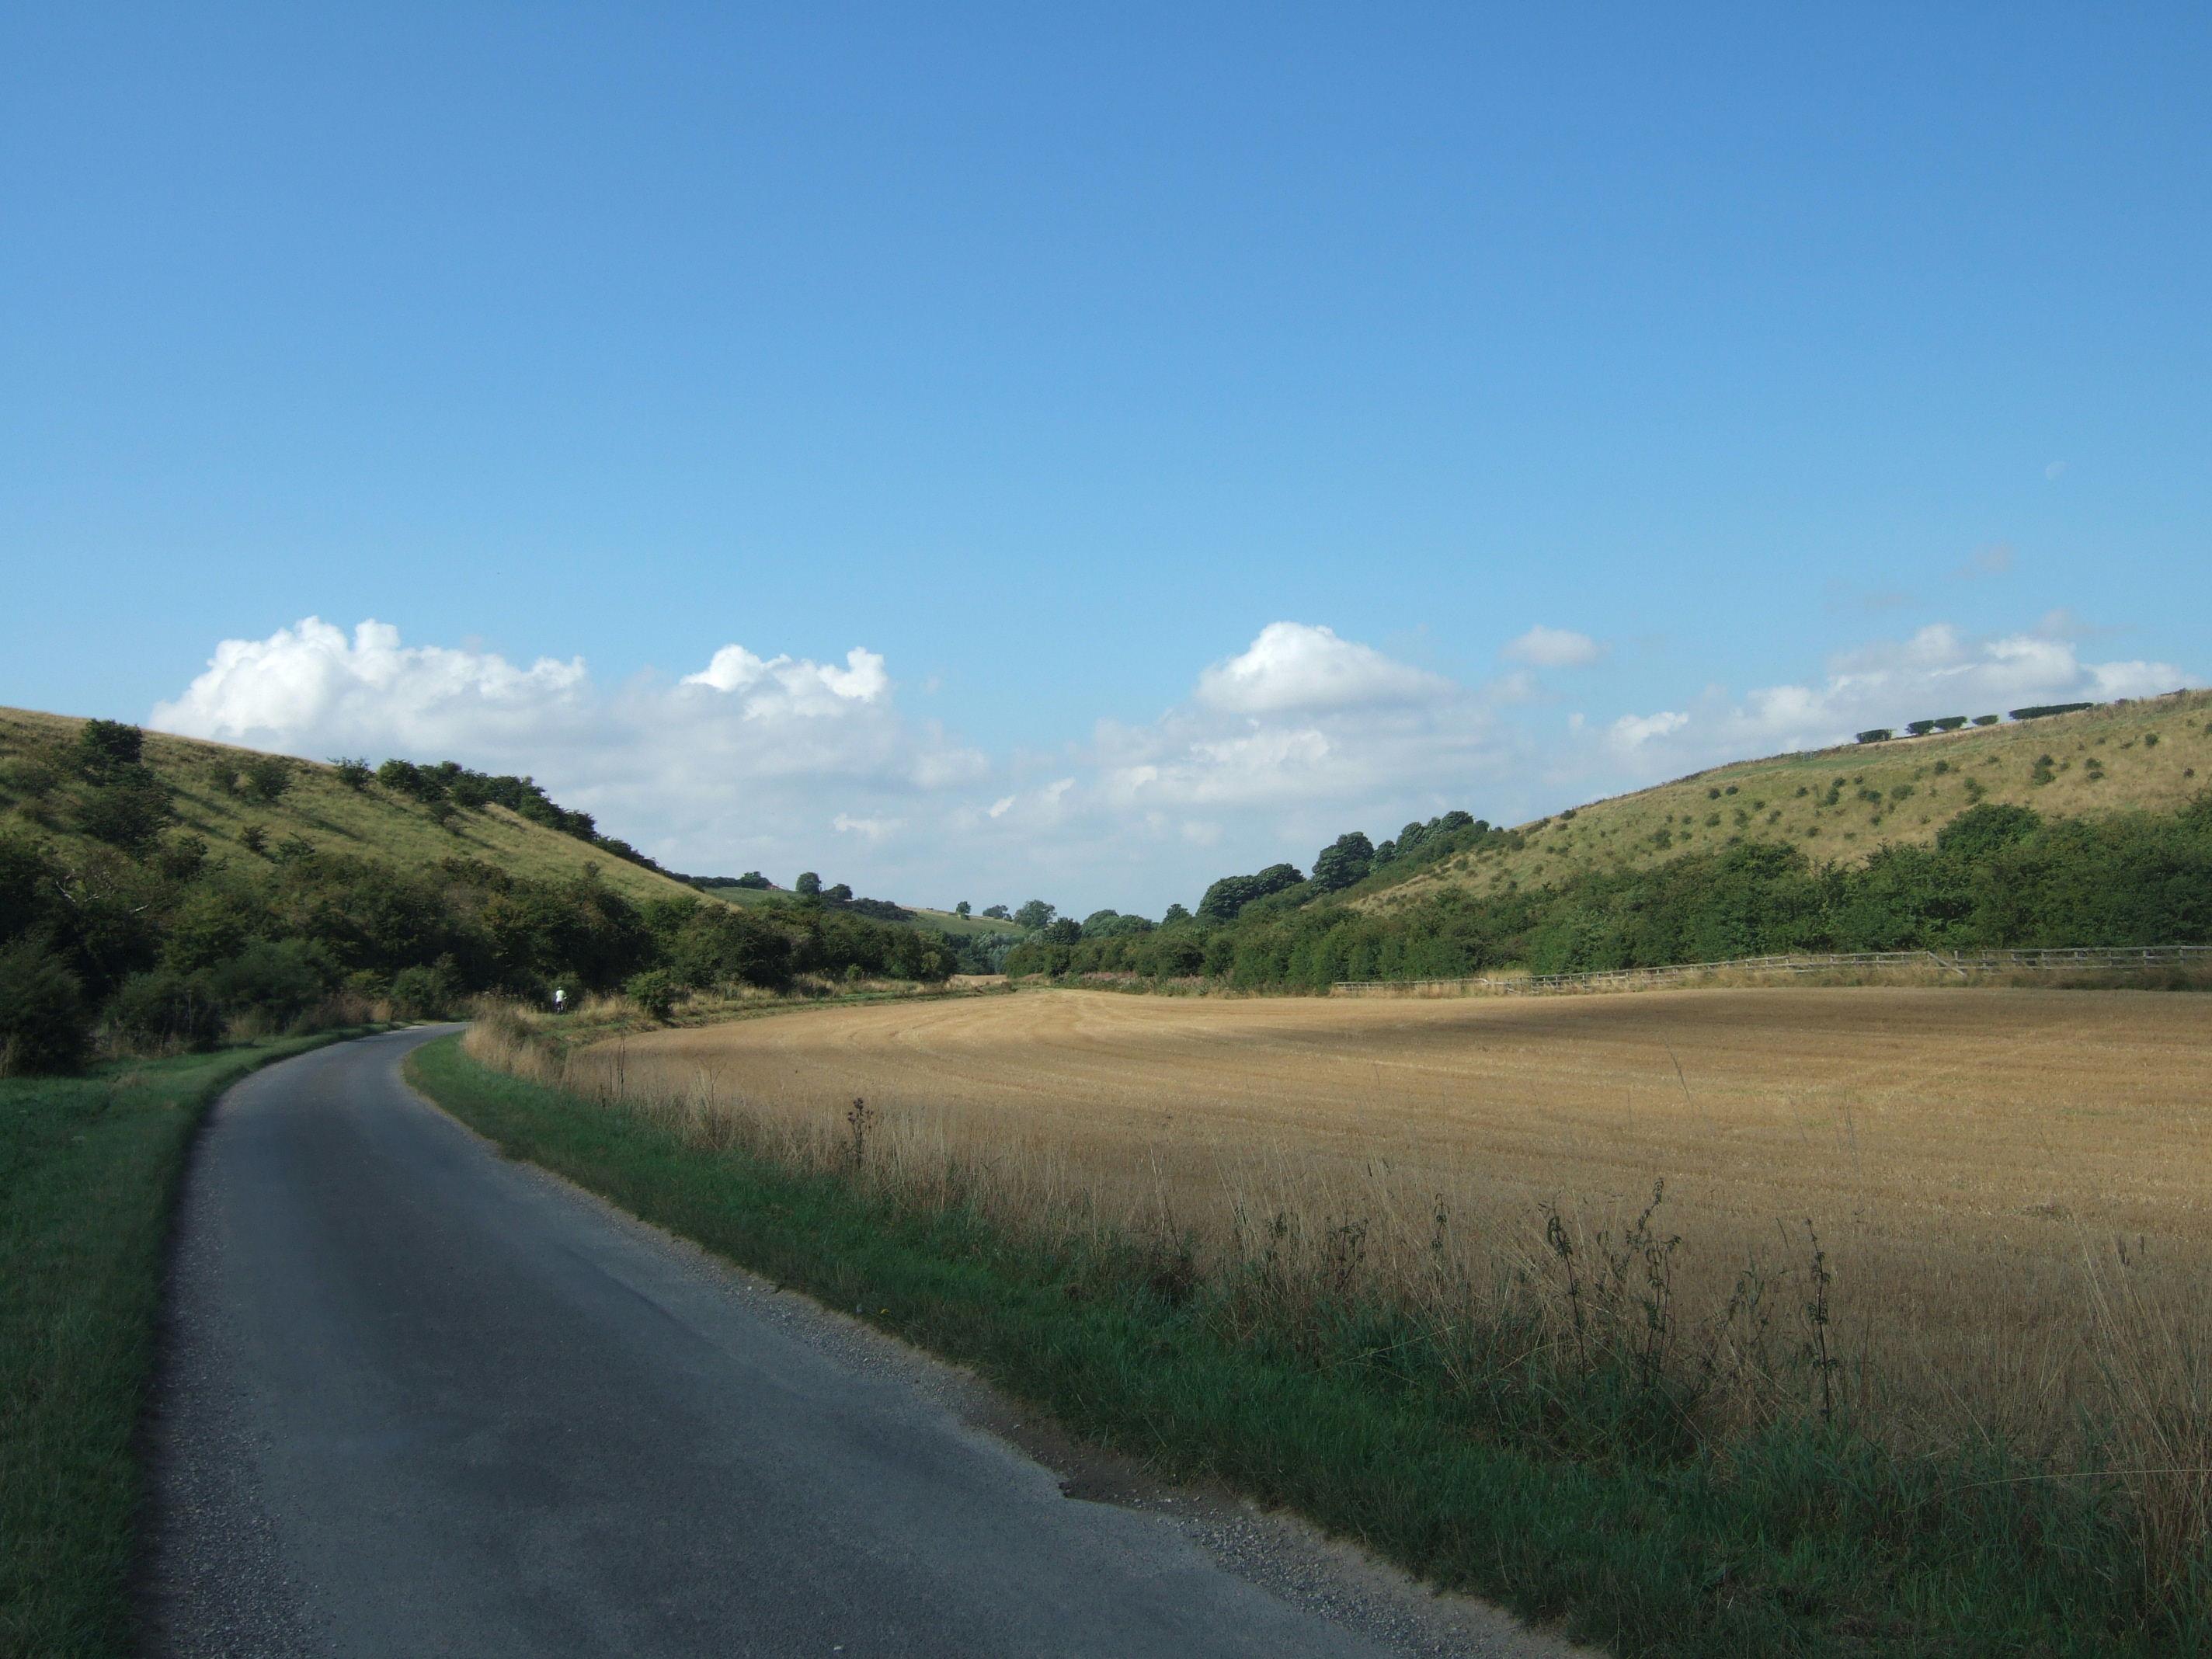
(1954, 1218)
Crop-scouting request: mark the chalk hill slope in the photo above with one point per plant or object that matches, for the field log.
(1840, 805)
(211, 797)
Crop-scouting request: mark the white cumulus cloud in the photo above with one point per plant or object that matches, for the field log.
(1553, 647)
(724, 767)
(1294, 667)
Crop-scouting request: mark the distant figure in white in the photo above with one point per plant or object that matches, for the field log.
(560, 1000)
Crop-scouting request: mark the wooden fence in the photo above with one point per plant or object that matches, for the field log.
(1963, 964)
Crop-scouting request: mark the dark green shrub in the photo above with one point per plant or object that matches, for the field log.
(1950, 722)
(656, 991)
(129, 811)
(421, 993)
(354, 773)
(31, 777)
(401, 777)
(164, 1011)
(1985, 719)
(470, 791)
(266, 778)
(278, 982)
(1876, 734)
(2040, 710)
(27, 885)
(44, 1027)
(181, 858)
(1980, 831)
(105, 747)
(253, 837)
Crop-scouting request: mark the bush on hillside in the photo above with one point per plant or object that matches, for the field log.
(44, 1026)
(1876, 734)
(105, 748)
(163, 1010)
(129, 808)
(424, 993)
(266, 778)
(277, 983)
(655, 991)
(2039, 711)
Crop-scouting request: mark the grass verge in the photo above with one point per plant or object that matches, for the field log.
(88, 1177)
(1568, 1496)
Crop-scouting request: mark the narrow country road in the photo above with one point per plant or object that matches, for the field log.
(418, 1400)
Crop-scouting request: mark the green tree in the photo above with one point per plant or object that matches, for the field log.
(1035, 915)
(105, 748)
(1226, 898)
(1347, 858)
(808, 885)
(961, 909)
(401, 777)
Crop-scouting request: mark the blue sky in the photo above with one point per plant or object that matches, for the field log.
(1806, 369)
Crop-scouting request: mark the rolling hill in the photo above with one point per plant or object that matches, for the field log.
(214, 797)
(1840, 805)
(39, 789)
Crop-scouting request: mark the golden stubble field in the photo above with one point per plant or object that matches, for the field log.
(2011, 1186)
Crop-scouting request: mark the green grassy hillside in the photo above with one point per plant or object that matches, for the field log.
(39, 789)
(1840, 805)
(940, 921)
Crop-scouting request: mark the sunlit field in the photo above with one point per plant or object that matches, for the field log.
(2009, 1186)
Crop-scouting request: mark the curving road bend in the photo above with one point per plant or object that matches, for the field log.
(419, 1399)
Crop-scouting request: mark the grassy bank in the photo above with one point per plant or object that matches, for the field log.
(88, 1175)
(1570, 1480)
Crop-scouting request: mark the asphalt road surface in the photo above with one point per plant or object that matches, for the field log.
(418, 1400)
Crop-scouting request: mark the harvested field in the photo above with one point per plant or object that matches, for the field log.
(2010, 1186)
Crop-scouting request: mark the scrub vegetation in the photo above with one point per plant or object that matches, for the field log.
(1825, 1322)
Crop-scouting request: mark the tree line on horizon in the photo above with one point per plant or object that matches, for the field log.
(1997, 877)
